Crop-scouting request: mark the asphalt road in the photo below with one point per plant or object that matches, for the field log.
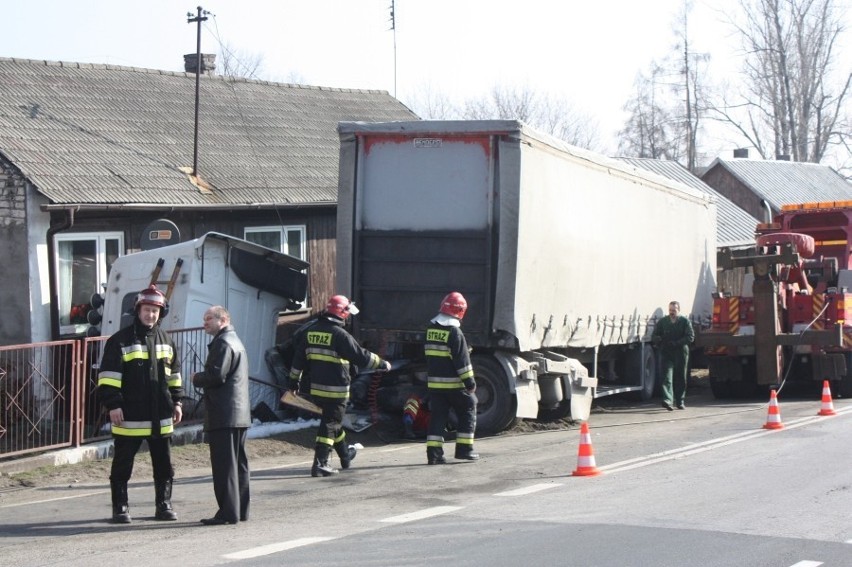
(703, 487)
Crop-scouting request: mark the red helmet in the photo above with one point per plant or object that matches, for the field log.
(340, 306)
(454, 304)
(151, 296)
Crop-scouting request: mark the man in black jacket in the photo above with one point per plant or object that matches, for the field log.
(325, 352)
(140, 385)
(228, 416)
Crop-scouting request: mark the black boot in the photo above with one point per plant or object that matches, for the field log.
(163, 502)
(120, 508)
(321, 465)
(466, 453)
(346, 453)
(435, 456)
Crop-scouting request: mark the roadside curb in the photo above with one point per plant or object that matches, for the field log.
(91, 452)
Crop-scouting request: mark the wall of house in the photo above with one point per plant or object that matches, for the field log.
(320, 226)
(722, 181)
(14, 263)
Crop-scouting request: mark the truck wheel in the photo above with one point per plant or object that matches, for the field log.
(644, 369)
(721, 388)
(497, 406)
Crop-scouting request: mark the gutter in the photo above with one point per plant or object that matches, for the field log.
(174, 208)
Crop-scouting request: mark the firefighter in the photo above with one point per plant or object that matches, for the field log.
(673, 335)
(450, 380)
(324, 353)
(139, 384)
(415, 416)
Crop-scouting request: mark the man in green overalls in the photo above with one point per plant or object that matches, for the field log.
(673, 335)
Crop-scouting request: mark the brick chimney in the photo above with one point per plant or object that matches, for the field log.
(740, 153)
(208, 63)
(782, 157)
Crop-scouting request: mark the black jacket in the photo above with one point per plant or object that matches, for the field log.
(225, 380)
(325, 352)
(140, 373)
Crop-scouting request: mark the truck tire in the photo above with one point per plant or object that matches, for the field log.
(497, 406)
(645, 368)
(721, 388)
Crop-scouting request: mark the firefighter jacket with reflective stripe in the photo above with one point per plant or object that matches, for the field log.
(325, 352)
(225, 380)
(140, 373)
(447, 359)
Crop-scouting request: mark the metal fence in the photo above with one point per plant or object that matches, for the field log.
(48, 392)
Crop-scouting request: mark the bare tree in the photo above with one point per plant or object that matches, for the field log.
(239, 64)
(430, 104)
(666, 111)
(792, 104)
(552, 115)
(651, 130)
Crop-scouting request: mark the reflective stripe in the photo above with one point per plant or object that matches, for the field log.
(174, 381)
(325, 440)
(109, 378)
(326, 391)
(464, 437)
(325, 355)
(142, 428)
(341, 437)
(434, 441)
(438, 353)
(445, 382)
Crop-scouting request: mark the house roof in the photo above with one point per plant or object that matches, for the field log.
(734, 226)
(105, 134)
(787, 182)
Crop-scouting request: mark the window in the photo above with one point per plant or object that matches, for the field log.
(83, 261)
(287, 239)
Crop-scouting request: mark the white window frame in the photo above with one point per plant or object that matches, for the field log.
(283, 232)
(101, 268)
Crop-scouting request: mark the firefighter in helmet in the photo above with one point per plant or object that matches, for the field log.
(139, 384)
(450, 380)
(324, 353)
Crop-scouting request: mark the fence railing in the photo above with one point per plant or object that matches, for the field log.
(48, 391)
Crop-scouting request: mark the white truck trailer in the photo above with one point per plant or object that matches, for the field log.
(253, 282)
(566, 258)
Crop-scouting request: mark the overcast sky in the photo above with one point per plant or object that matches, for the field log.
(586, 51)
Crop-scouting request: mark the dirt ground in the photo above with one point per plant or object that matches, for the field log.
(193, 460)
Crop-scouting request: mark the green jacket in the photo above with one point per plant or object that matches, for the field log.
(673, 336)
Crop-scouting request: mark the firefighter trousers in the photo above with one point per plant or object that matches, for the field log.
(464, 404)
(126, 448)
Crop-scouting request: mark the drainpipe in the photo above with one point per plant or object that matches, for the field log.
(67, 223)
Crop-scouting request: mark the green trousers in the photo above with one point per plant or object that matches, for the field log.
(674, 363)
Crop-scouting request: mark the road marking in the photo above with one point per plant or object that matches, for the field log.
(807, 564)
(422, 514)
(529, 489)
(275, 547)
(696, 448)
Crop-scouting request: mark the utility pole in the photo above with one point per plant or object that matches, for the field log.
(393, 28)
(201, 17)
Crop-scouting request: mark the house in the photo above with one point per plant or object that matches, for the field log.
(94, 157)
(734, 226)
(749, 183)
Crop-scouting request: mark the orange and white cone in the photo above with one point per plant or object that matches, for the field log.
(827, 407)
(586, 455)
(773, 417)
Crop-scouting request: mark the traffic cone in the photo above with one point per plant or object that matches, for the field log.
(827, 407)
(586, 455)
(773, 418)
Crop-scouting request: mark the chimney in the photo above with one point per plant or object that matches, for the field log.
(740, 153)
(783, 157)
(208, 63)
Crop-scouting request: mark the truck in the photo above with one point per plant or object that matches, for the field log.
(566, 258)
(790, 315)
(255, 283)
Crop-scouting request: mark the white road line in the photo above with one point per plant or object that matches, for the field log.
(275, 547)
(529, 489)
(58, 499)
(807, 564)
(422, 514)
(696, 448)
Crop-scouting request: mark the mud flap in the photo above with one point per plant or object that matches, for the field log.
(581, 399)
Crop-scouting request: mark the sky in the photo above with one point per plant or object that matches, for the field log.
(587, 52)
